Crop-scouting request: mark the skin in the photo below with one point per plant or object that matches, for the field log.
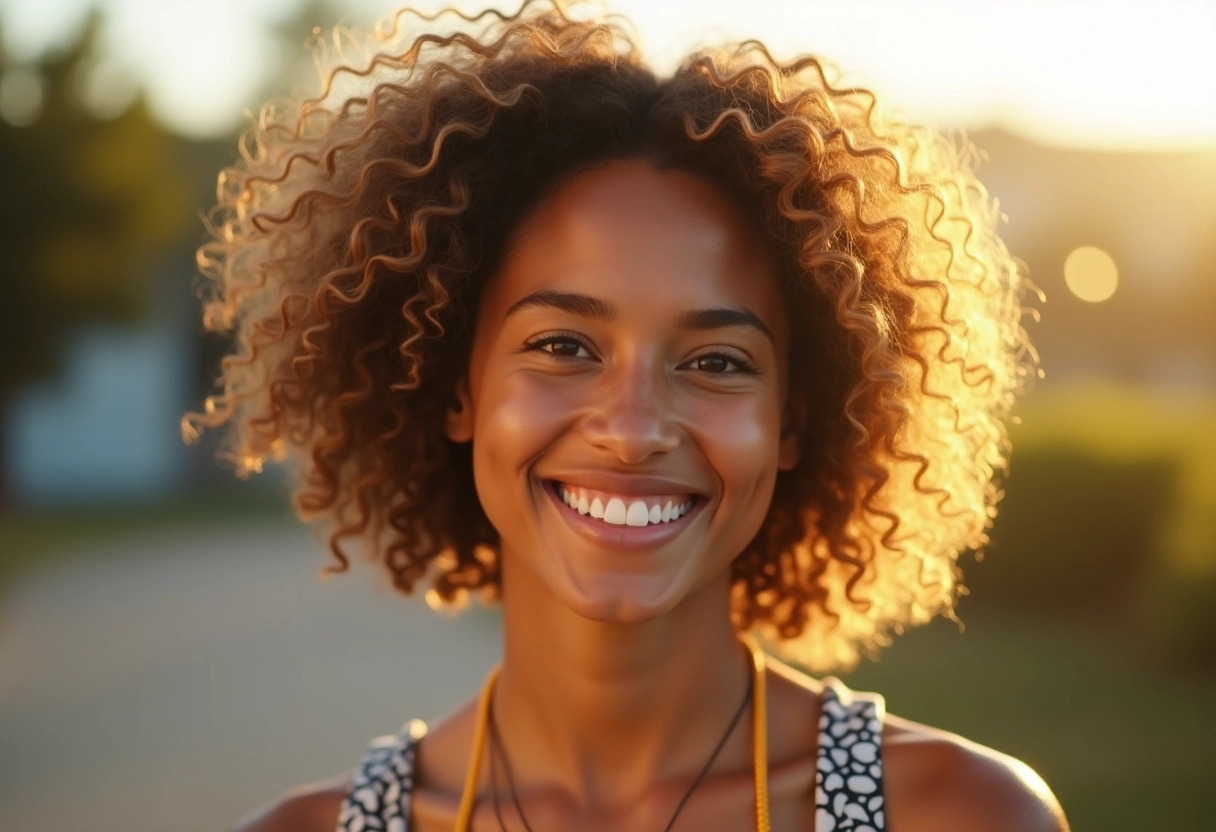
(621, 668)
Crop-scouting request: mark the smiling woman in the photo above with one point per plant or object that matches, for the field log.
(658, 363)
(630, 354)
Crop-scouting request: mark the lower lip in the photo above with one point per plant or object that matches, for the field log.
(622, 537)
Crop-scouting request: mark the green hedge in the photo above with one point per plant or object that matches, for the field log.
(1110, 515)
(1076, 534)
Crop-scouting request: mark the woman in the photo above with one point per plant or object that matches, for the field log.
(659, 364)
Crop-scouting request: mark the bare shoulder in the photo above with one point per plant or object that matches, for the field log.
(936, 780)
(311, 808)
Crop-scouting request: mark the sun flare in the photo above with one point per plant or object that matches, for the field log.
(1091, 274)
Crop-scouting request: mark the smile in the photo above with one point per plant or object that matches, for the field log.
(624, 510)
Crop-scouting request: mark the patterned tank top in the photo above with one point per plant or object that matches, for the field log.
(848, 780)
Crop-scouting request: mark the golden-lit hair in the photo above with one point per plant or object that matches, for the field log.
(352, 238)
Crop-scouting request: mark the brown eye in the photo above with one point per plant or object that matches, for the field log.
(714, 364)
(563, 347)
(723, 364)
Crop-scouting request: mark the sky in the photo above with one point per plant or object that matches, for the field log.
(1119, 74)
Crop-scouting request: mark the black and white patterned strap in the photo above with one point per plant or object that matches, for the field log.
(848, 783)
(378, 799)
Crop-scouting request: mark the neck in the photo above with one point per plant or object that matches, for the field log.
(600, 711)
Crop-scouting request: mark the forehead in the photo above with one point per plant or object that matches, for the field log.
(627, 232)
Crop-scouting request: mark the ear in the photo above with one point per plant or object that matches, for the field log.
(789, 449)
(458, 422)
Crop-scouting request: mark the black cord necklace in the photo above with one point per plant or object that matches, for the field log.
(497, 748)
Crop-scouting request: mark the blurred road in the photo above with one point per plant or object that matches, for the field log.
(173, 682)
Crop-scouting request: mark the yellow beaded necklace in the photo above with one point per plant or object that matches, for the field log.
(759, 742)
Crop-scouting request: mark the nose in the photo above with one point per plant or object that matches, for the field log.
(634, 414)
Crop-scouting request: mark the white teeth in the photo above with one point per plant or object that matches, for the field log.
(637, 515)
(618, 513)
(614, 513)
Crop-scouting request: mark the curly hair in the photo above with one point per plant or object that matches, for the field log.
(354, 235)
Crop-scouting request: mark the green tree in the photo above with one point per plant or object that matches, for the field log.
(90, 207)
(87, 204)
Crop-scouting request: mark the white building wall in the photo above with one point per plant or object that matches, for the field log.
(107, 429)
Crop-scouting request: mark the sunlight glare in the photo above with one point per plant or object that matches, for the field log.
(1116, 76)
(1091, 274)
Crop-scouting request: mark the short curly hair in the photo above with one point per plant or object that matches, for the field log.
(354, 235)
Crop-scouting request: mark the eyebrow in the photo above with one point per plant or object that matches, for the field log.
(584, 306)
(724, 317)
(587, 306)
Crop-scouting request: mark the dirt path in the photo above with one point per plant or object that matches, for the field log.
(175, 683)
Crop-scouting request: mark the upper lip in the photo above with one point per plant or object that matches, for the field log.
(625, 484)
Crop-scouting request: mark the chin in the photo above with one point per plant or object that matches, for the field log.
(618, 601)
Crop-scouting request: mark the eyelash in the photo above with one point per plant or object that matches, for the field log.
(539, 344)
(744, 366)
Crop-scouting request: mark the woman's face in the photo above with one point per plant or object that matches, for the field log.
(626, 391)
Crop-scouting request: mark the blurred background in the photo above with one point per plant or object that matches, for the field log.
(170, 658)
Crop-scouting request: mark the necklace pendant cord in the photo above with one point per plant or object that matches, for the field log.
(465, 813)
(759, 742)
(759, 733)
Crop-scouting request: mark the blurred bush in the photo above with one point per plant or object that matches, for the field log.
(1077, 533)
(1110, 516)
(91, 205)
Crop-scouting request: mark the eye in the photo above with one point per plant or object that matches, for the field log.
(718, 363)
(713, 363)
(559, 346)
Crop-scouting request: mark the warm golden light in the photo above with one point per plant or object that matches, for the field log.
(1044, 72)
(1091, 274)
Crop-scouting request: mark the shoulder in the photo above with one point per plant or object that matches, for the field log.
(937, 780)
(312, 808)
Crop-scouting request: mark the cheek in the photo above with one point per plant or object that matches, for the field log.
(740, 438)
(517, 418)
